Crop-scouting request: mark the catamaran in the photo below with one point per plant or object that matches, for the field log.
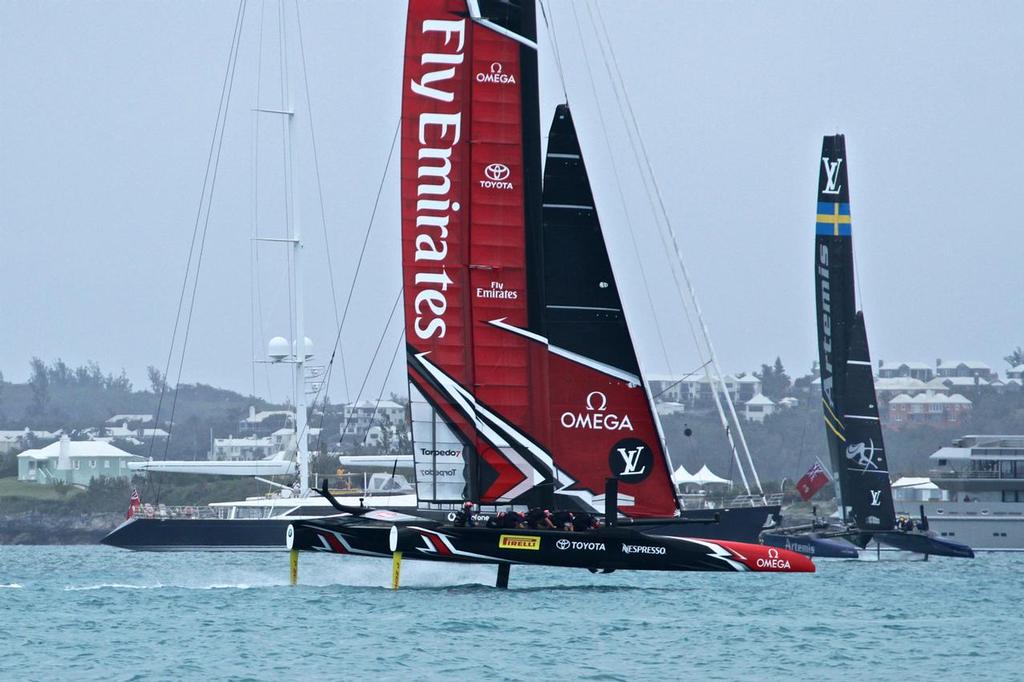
(524, 384)
(852, 426)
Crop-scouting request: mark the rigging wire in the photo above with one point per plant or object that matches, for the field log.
(366, 377)
(206, 225)
(362, 252)
(550, 25)
(625, 205)
(676, 383)
(217, 132)
(387, 375)
(320, 190)
(666, 224)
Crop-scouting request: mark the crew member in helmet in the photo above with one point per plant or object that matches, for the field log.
(563, 520)
(496, 520)
(513, 519)
(539, 519)
(464, 517)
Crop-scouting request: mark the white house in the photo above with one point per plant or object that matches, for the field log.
(74, 462)
(758, 407)
(964, 368)
(914, 370)
(357, 418)
(11, 441)
(242, 449)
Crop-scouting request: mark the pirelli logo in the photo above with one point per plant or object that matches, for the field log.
(519, 542)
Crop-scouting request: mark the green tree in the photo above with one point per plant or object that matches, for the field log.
(40, 384)
(1016, 357)
(774, 380)
(157, 381)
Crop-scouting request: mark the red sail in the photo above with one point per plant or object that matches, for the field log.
(498, 253)
(436, 93)
(464, 260)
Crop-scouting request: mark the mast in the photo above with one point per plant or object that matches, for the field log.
(295, 237)
(835, 301)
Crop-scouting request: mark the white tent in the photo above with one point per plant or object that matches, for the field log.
(682, 476)
(705, 477)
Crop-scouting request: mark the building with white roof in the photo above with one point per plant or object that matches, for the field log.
(964, 368)
(758, 407)
(233, 449)
(284, 438)
(75, 462)
(887, 388)
(359, 417)
(13, 441)
(138, 419)
(914, 370)
(265, 422)
(928, 407)
(696, 391)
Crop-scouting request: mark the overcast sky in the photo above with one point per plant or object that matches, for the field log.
(107, 110)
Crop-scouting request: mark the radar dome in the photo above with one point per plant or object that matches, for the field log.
(309, 348)
(277, 349)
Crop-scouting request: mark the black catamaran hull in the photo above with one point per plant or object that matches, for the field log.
(811, 545)
(845, 545)
(199, 535)
(741, 524)
(604, 550)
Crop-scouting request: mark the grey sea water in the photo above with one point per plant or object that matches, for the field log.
(94, 613)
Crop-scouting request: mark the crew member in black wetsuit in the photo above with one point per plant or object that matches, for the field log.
(539, 519)
(464, 517)
(584, 521)
(563, 520)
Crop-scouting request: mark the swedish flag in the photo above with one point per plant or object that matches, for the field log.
(833, 219)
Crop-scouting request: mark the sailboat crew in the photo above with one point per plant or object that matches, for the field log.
(464, 517)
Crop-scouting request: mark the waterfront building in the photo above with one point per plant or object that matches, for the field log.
(74, 462)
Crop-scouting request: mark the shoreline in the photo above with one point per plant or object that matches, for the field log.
(46, 528)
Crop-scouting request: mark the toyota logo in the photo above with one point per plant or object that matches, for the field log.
(562, 544)
(497, 171)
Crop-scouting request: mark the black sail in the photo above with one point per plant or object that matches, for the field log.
(583, 311)
(834, 293)
(849, 405)
(867, 494)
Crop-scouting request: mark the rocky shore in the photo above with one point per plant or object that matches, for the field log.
(47, 528)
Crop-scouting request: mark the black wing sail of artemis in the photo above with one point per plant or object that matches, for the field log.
(867, 494)
(834, 293)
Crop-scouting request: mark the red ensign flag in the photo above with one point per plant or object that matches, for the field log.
(811, 482)
(133, 503)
